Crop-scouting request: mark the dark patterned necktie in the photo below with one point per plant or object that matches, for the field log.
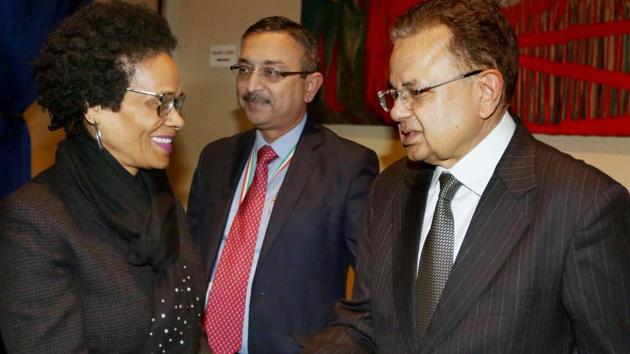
(437, 256)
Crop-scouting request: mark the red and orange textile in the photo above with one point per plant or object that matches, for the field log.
(574, 76)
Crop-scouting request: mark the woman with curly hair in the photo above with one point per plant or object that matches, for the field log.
(95, 254)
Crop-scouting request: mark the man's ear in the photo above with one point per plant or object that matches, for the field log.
(312, 83)
(491, 85)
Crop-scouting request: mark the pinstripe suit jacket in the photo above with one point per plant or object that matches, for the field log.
(544, 267)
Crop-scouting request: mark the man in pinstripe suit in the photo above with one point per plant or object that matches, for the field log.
(540, 241)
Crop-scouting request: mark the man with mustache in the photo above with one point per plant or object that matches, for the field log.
(275, 210)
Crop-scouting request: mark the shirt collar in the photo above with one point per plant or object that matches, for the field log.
(284, 144)
(476, 168)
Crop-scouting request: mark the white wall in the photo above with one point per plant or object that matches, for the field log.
(609, 154)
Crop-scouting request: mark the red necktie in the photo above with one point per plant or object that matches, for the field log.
(223, 320)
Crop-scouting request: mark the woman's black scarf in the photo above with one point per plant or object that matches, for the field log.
(142, 210)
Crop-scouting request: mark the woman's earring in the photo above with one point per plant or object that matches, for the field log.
(98, 136)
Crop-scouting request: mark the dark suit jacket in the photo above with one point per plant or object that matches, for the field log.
(311, 236)
(65, 282)
(544, 266)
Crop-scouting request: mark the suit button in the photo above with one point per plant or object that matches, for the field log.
(262, 293)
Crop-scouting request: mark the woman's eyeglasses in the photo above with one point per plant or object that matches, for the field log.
(167, 101)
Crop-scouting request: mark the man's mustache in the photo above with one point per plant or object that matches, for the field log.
(255, 97)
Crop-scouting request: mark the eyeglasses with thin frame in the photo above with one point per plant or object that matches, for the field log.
(167, 101)
(388, 97)
(267, 73)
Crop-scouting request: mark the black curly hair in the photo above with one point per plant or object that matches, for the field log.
(89, 60)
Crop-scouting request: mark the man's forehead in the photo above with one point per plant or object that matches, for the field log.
(427, 43)
(266, 39)
(270, 48)
(416, 58)
(266, 62)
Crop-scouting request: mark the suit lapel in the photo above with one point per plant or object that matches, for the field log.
(408, 214)
(497, 225)
(221, 208)
(302, 165)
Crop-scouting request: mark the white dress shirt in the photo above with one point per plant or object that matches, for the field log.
(473, 171)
